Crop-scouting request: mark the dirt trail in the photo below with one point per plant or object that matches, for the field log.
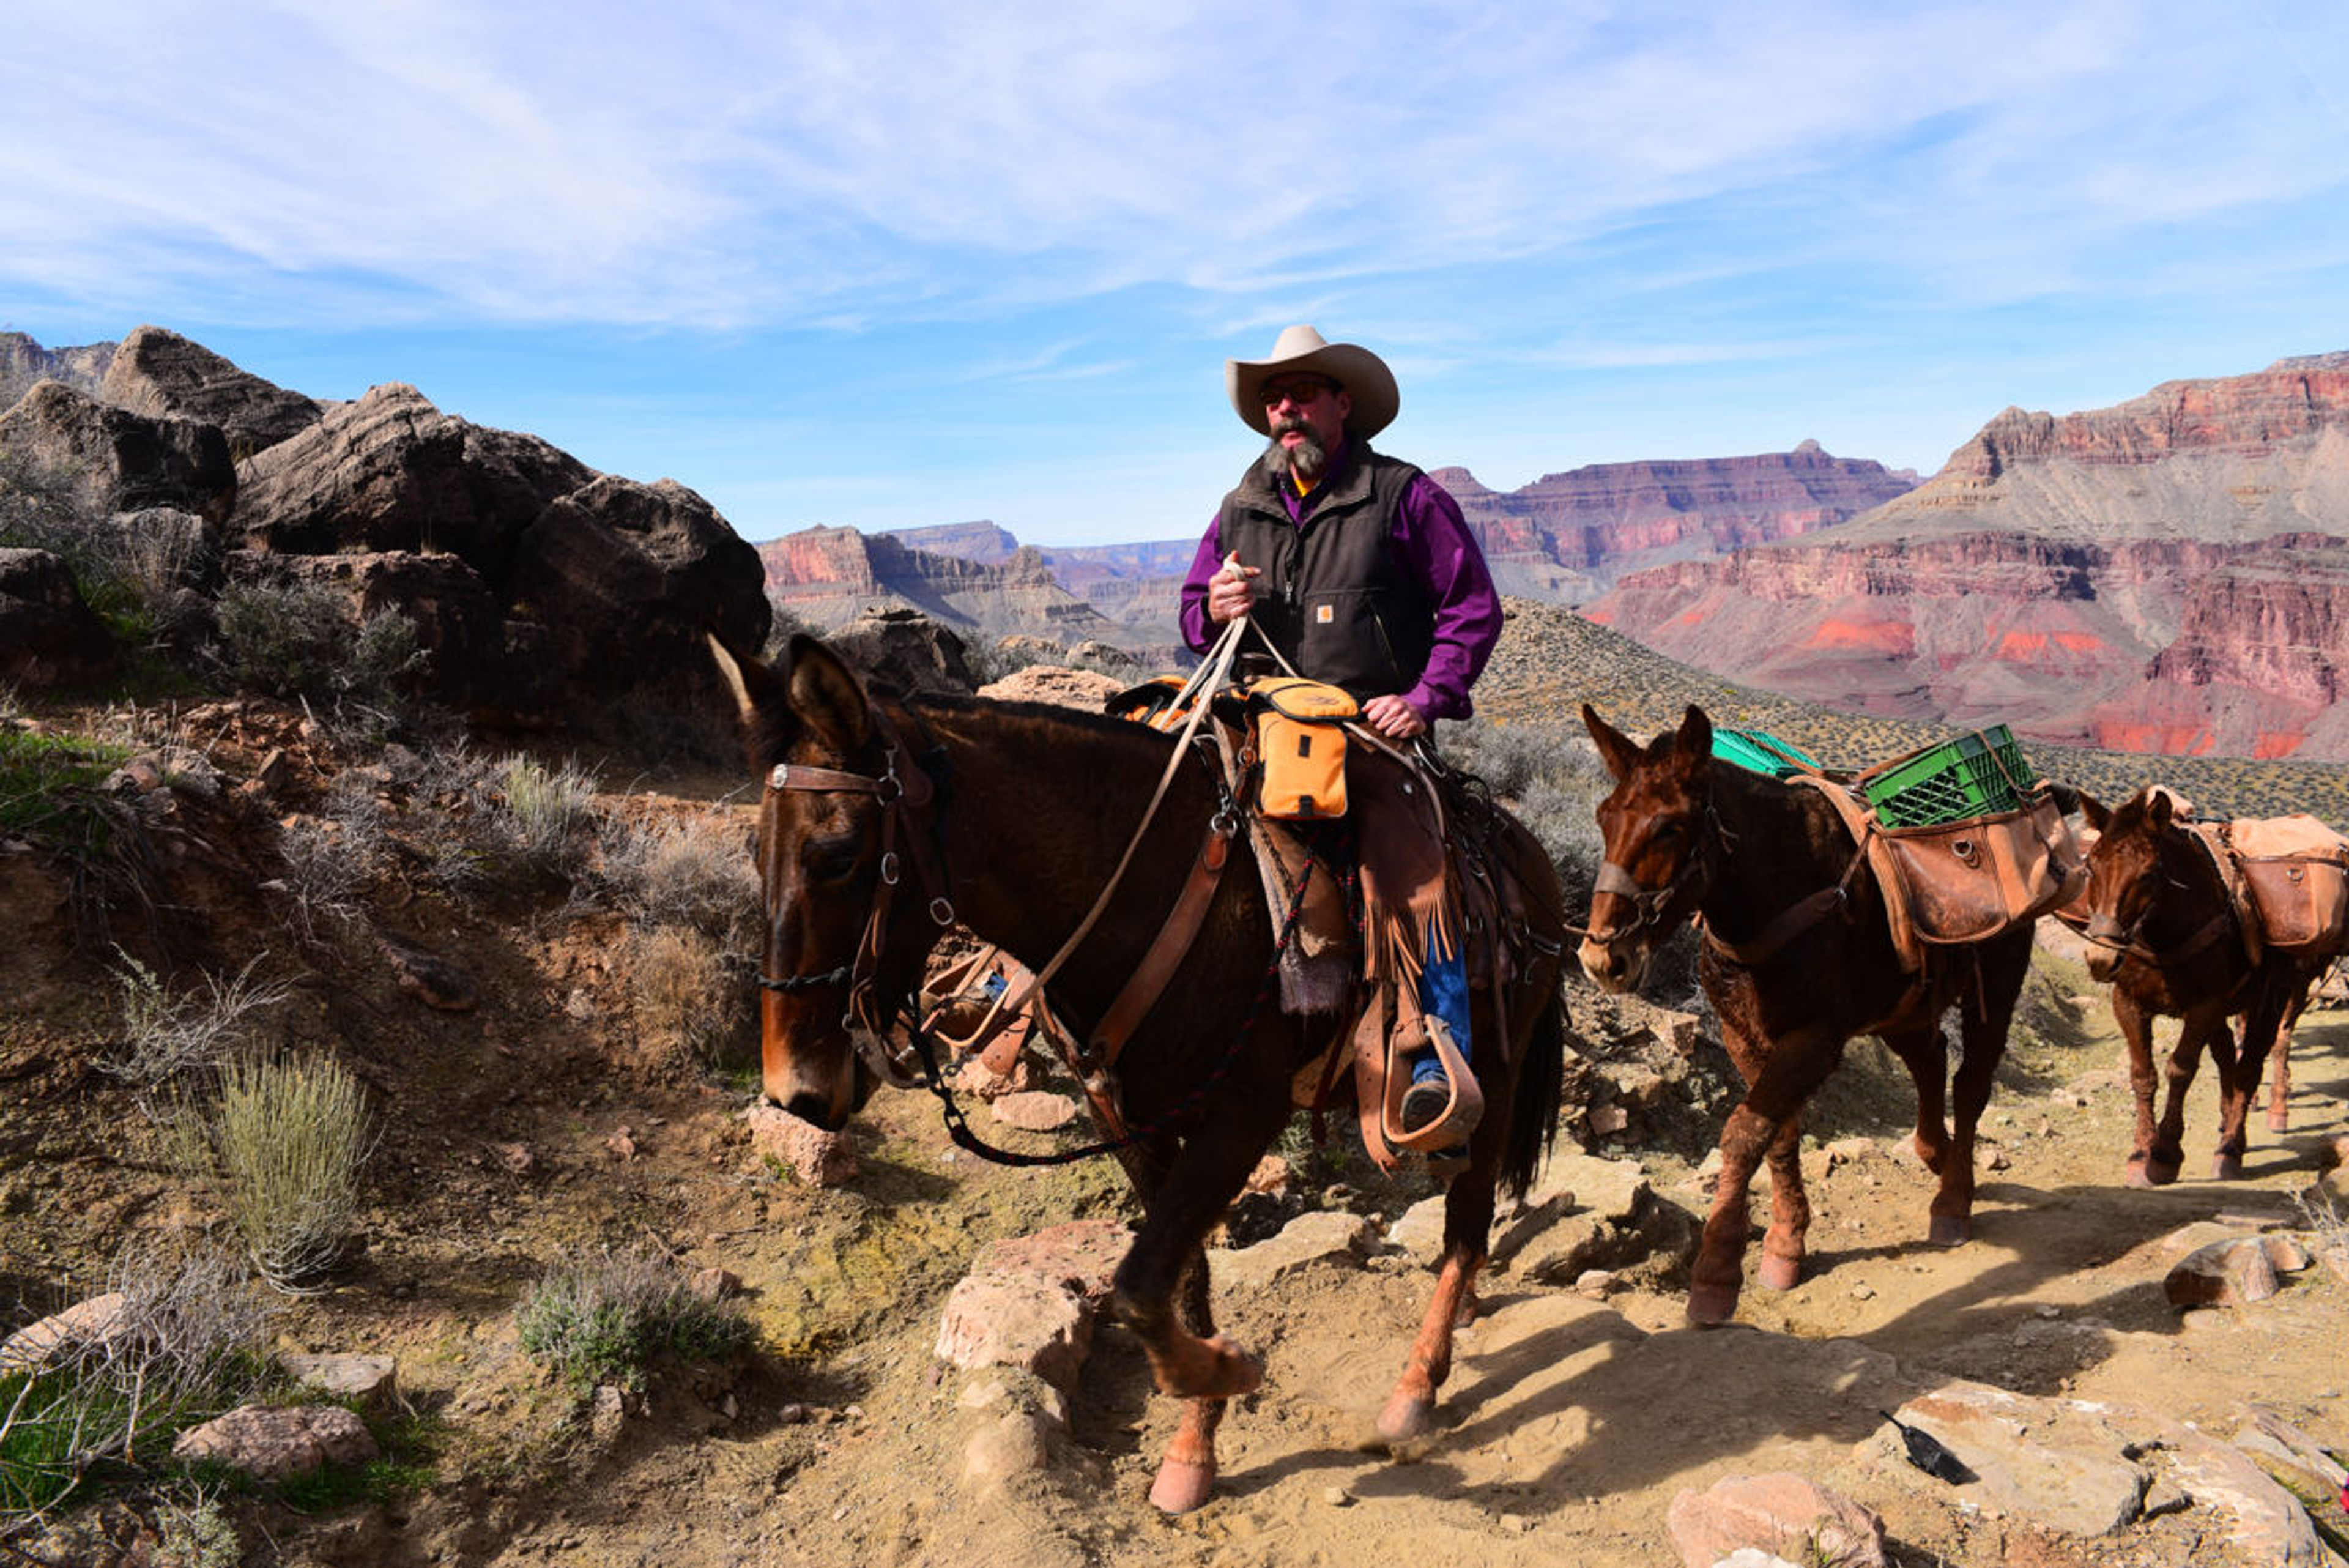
(1569, 1424)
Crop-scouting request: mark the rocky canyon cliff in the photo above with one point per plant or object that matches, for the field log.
(2168, 574)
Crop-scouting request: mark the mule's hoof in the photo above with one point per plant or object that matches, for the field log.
(2278, 1121)
(1947, 1230)
(2227, 1167)
(1710, 1305)
(1407, 1419)
(2161, 1172)
(2134, 1173)
(1779, 1274)
(1181, 1486)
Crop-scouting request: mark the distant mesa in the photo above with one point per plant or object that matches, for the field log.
(2171, 573)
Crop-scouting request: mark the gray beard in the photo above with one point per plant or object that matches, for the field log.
(1307, 461)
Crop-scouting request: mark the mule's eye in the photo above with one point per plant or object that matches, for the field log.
(832, 860)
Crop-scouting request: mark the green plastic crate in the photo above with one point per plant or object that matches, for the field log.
(1760, 752)
(1977, 774)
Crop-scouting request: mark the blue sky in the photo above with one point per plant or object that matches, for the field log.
(891, 263)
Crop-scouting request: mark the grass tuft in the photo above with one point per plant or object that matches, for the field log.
(603, 1320)
(283, 1147)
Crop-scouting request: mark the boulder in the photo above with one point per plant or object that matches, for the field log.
(2222, 1274)
(99, 1320)
(623, 578)
(904, 648)
(1781, 1515)
(1325, 1236)
(272, 1445)
(390, 471)
(372, 1381)
(1082, 1255)
(49, 634)
(118, 461)
(1052, 683)
(1035, 1111)
(1022, 1320)
(163, 375)
(818, 1158)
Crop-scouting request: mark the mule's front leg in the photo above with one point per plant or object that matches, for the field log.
(1409, 1411)
(1719, 1272)
(2148, 1165)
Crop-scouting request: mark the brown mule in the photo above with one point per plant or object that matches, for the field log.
(885, 818)
(2166, 933)
(1797, 960)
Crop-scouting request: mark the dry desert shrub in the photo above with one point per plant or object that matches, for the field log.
(282, 1147)
(693, 998)
(183, 1346)
(168, 1038)
(687, 871)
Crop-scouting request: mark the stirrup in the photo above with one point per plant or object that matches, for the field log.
(1462, 1110)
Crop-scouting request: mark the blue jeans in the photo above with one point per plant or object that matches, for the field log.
(1444, 993)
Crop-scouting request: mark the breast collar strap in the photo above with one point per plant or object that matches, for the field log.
(904, 791)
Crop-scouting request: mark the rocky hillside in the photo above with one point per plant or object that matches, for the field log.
(24, 362)
(181, 506)
(2163, 575)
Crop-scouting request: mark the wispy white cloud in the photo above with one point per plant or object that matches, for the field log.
(711, 164)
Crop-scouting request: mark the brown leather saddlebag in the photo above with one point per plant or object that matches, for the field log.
(1968, 881)
(2297, 870)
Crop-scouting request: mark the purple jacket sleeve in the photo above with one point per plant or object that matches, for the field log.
(1434, 541)
(1197, 629)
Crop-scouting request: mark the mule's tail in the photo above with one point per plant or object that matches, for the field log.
(1534, 1103)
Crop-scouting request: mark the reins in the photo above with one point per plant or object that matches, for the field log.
(898, 792)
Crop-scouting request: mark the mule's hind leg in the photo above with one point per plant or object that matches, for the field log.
(2263, 1023)
(1985, 1013)
(1781, 1268)
(2280, 1086)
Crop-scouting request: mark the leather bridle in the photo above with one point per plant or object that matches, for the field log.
(903, 789)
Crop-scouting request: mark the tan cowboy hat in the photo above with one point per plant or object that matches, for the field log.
(1301, 350)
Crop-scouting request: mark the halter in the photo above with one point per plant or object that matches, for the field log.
(901, 788)
(1655, 906)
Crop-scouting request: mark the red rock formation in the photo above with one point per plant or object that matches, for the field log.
(2170, 575)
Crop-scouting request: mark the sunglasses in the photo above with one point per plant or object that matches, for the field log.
(1299, 393)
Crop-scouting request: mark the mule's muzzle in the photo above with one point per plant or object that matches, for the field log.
(1609, 970)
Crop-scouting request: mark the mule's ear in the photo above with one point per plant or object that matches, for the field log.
(2156, 808)
(1695, 737)
(752, 683)
(2094, 811)
(1616, 749)
(827, 696)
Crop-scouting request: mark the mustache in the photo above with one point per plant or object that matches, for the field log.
(1282, 427)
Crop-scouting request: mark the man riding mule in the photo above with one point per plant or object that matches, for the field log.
(1358, 570)
(884, 820)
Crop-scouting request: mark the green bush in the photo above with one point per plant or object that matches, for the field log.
(603, 1320)
(300, 641)
(283, 1146)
